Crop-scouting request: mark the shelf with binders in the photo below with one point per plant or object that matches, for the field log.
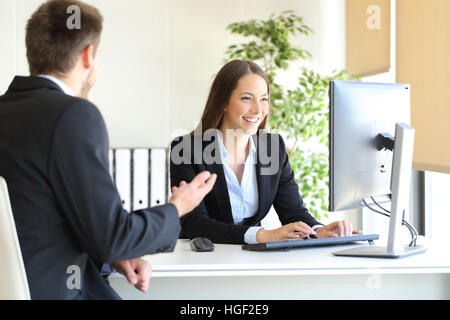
(140, 175)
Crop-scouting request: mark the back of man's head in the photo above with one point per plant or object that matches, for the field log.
(55, 37)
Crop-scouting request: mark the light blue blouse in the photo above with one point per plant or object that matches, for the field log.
(243, 197)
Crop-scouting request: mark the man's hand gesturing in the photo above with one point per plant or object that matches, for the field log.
(187, 196)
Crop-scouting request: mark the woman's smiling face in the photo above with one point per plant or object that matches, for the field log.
(248, 105)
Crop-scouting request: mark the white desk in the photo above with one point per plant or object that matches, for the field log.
(307, 273)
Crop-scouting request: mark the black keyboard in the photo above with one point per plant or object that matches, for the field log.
(309, 242)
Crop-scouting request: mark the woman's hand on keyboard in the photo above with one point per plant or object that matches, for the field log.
(336, 229)
(294, 230)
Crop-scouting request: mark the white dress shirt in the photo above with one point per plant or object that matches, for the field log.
(244, 197)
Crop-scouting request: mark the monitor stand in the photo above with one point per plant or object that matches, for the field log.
(380, 252)
(400, 187)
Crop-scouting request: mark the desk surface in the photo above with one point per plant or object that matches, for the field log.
(305, 273)
(231, 260)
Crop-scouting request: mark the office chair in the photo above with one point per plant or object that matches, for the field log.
(13, 279)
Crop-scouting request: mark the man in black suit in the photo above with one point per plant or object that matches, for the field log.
(54, 157)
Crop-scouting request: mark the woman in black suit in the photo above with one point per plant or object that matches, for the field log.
(252, 167)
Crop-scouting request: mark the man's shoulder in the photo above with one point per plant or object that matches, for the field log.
(60, 100)
(81, 115)
(80, 106)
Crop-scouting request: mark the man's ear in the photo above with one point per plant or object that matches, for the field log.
(87, 56)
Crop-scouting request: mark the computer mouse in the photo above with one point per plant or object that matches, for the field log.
(201, 244)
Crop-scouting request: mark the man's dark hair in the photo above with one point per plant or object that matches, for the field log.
(52, 45)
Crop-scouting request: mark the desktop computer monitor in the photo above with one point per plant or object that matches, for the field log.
(365, 158)
(359, 111)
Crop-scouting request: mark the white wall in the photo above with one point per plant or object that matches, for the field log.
(7, 43)
(159, 56)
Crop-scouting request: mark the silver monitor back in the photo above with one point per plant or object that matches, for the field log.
(359, 111)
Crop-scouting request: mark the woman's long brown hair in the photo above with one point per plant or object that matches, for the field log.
(222, 87)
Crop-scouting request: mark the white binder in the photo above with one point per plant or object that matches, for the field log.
(140, 178)
(158, 181)
(123, 176)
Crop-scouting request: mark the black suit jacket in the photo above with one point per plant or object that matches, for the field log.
(213, 217)
(54, 157)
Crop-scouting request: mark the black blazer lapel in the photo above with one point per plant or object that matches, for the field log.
(263, 180)
(263, 191)
(220, 188)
